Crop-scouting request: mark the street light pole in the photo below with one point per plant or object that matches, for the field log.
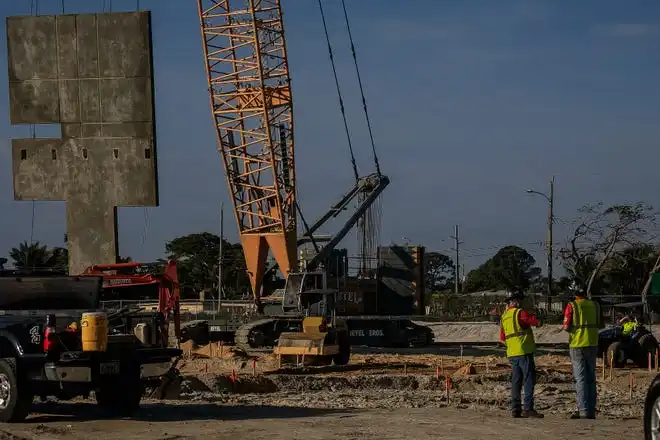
(551, 202)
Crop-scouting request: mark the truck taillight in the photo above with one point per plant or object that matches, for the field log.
(50, 339)
(50, 334)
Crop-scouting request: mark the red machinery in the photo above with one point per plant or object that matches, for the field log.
(120, 277)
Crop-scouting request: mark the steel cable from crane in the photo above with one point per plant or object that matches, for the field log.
(34, 10)
(359, 78)
(341, 100)
(34, 7)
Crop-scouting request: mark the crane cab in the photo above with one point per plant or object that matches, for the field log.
(300, 286)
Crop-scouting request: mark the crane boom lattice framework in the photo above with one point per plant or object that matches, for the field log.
(251, 102)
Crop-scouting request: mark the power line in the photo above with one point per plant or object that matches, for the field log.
(341, 99)
(359, 78)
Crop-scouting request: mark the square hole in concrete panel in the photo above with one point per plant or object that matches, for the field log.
(147, 153)
(23, 154)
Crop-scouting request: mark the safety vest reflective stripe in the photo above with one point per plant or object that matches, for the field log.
(515, 335)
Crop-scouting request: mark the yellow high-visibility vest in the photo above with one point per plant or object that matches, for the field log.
(629, 327)
(519, 341)
(585, 325)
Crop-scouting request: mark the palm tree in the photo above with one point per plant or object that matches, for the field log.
(59, 259)
(37, 256)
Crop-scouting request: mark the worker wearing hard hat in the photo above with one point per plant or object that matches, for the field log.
(516, 332)
(582, 320)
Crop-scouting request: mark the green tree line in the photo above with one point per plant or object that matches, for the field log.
(611, 250)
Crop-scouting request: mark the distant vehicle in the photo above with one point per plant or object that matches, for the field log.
(619, 348)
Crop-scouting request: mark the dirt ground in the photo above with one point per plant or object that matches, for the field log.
(197, 421)
(380, 394)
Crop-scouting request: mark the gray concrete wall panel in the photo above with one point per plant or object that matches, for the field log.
(91, 73)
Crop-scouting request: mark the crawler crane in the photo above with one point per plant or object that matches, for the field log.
(252, 107)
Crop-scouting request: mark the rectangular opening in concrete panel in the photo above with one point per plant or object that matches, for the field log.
(91, 73)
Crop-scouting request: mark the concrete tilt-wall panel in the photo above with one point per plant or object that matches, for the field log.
(92, 74)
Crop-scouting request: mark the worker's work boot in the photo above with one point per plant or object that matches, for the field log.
(577, 415)
(532, 414)
(516, 413)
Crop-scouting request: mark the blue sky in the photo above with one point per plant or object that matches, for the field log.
(471, 102)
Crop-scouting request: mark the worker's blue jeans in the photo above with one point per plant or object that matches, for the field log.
(523, 373)
(584, 371)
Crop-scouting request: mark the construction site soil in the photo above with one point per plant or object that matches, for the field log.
(387, 395)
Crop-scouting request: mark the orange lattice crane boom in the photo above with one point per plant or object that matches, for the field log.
(250, 93)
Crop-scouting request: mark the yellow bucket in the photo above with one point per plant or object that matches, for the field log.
(94, 331)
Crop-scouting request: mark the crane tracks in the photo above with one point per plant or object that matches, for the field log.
(243, 334)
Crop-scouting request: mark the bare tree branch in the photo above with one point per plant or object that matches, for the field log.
(601, 234)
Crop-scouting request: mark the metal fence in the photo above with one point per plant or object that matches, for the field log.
(468, 307)
(227, 315)
(224, 315)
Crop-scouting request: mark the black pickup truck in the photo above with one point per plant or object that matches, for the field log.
(32, 365)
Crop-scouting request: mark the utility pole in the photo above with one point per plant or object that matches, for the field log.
(550, 222)
(457, 266)
(551, 203)
(220, 259)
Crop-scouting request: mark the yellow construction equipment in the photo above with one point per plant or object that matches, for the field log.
(324, 338)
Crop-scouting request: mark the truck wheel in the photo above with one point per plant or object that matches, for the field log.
(120, 396)
(616, 354)
(15, 394)
(651, 408)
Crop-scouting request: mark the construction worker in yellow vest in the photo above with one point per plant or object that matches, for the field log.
(516, 332)
(582, 320)
(628, 325)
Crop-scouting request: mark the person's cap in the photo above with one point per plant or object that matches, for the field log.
(516, 295)
(580, 292)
